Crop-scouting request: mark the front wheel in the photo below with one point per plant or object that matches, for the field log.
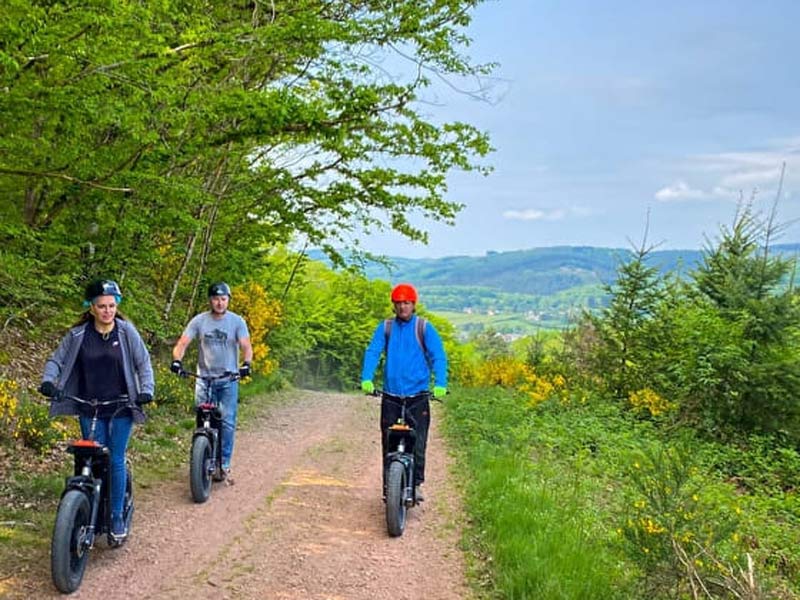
(127, 506)
(395, 504)
(199, 476)
(69, 550)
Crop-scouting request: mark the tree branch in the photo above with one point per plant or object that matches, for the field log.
(45, 174)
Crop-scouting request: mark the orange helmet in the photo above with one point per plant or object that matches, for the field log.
(404, 292)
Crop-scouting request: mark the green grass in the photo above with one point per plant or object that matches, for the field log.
(540, 532)
(28, 500)
(562, 501)
(539, 528)
(516, 323)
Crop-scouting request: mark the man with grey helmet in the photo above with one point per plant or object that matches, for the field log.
(221, 335)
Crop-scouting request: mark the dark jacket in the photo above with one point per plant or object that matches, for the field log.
(60, 368)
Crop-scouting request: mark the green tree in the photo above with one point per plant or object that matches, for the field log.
(721, 345)
(329, 318)
(622, 331)
(489, 344)
(176, 142)
(758, 321)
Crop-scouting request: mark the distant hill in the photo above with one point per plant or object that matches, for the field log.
(540, 271)
(544, 286)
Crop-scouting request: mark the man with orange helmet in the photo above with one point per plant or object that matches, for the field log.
(413, 351)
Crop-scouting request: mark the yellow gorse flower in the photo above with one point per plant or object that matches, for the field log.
(651, 526)
(513, 373)
(262, 314)
(8, 406)
(650, 401)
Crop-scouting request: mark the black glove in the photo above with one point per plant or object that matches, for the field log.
(47, 388)
(144, 398)
(176, 367)
(244, 370)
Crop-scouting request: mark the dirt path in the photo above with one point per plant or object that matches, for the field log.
(303, 521)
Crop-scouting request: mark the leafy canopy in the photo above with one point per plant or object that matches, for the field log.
(170, 143)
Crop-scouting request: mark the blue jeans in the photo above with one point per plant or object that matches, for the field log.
(226, 395)
(117, 443)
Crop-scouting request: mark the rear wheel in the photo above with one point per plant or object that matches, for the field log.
(199, 477)
(69, 550)
(395, 505)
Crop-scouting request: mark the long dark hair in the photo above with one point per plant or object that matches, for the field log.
(87, 316)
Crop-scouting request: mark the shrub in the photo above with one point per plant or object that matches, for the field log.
(262, 314)
(8, 408)
(646, 400)
(512, 373)
(681, 529)
(34, 427)
(171, 389)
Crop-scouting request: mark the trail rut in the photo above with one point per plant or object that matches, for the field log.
(304, 520)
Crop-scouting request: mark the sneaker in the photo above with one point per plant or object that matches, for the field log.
(118, 531)
(418, 494)
(226, 476)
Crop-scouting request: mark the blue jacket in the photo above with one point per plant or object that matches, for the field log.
(407, 371)
(60, 368)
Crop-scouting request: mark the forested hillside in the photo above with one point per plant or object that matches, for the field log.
(537, 271)
(520, 291)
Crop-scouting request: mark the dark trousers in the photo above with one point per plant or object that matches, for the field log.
(418, 415)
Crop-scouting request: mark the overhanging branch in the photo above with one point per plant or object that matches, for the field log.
(70, 178)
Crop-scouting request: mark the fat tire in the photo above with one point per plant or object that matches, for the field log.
(128, 506)
(395, 504)
(199, 477)
(67, 556)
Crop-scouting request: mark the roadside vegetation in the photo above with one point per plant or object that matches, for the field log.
(653, 452)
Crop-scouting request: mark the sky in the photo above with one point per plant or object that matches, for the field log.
(610, 119)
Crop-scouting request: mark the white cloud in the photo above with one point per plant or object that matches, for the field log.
(680, 190)
(529, 214)
(729, 175)
(535, 214)
(753, 177)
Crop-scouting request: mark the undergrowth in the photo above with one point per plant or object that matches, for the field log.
(585, 500)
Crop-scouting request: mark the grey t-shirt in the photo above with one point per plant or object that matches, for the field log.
(218, 341)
